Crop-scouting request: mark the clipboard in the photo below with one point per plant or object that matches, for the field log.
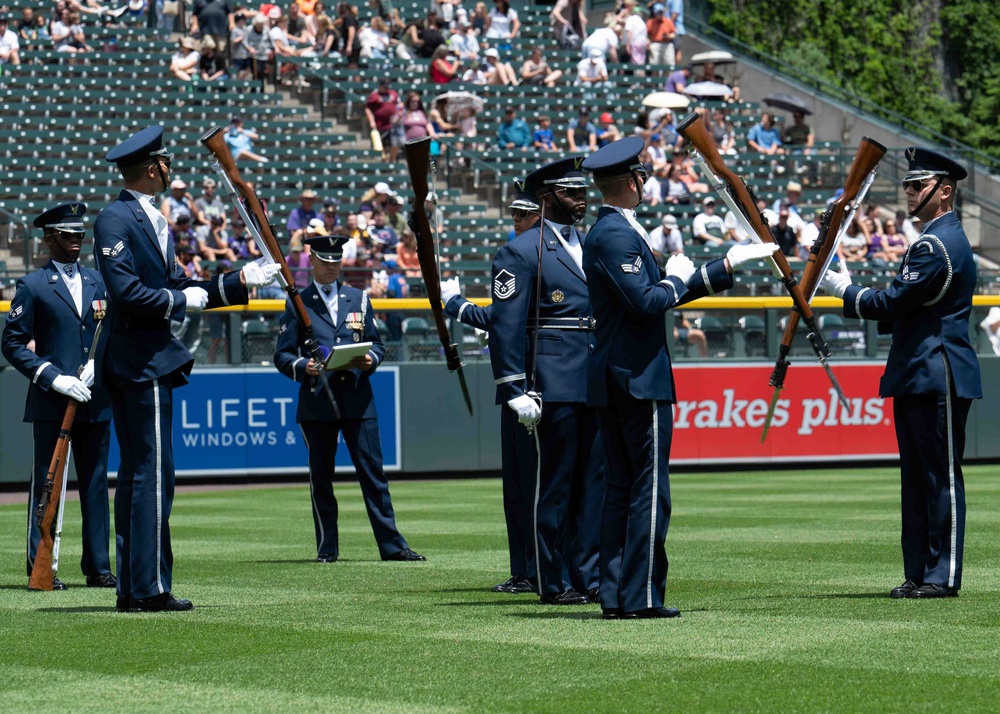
(341, 355)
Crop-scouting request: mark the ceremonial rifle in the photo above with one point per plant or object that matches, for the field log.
(49, 513)
(255, 219)
(834, 223)
(418, 157)
(738, 198)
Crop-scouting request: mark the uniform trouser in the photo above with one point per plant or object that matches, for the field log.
(931, 435)
(90, 456)
(518, 466)
(143, 414)
(568, 498)
(365, 446)
(637, 436)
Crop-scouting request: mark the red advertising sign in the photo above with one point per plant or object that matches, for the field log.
(720, 413)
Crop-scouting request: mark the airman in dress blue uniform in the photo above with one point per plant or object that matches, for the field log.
(549, 394)
(517, 448)
(932, 372)
(340, 316)
(141, 361)
(53, 307)
(631, 378)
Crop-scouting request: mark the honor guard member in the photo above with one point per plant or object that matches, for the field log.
(53, 307)
(631, 378)
(543, 267)
(341, 316)
(517, 448)
(932, 372)
(141, 361)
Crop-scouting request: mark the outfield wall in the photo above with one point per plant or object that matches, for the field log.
(239, 421)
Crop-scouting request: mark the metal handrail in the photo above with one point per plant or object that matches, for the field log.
(784, 70)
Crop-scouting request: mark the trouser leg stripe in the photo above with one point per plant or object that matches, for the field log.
(953, 564)
(652, 506)
(159, 483)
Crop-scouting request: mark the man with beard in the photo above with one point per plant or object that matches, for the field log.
(542, 380)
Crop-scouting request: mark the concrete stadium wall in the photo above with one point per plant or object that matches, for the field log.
(436, 437)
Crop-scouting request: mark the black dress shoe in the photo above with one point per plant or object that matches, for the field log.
(57, 584)
(164, 602)
(653, 613)
(405, 554)
(594, 594)
(104, 580)
(123, 603)
(903, 590)
(568, 597)
(929, 590)
(326, 558)
(517, 585)
(616, 613)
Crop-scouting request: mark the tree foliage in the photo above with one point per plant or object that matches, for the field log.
(934, 61)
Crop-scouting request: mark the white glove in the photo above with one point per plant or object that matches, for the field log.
(260, 273)
(197, 298)
(449, 289)
(835, 283)
(528, 411)
(680, 266)
(483, 337)
(740, 254)
(71, 387)
(87, 375)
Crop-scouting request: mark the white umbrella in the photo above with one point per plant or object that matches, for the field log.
(457, 101)
(716, 56)
(708, 90)
(666, 100)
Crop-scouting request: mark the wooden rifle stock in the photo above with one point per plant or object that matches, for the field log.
(694, 130)
(418, 158)
(47, 512)
(215, 142)
(870, 152)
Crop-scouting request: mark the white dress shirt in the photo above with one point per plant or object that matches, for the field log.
(329, 293)
(572, 244)
(70, 274)
(156, 218)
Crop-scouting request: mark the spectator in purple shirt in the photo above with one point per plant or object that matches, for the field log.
(299, 218)
(298, 264)
(678, 80)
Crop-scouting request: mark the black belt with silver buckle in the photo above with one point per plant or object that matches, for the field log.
(584, 324)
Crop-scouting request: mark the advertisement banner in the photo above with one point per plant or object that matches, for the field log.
(242, 421)
(721, 408)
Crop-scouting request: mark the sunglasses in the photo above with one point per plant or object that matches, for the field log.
(916, 185)
(519, 214)
(572, 191)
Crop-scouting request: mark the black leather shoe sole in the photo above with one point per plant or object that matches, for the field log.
(515, 586)
(123, 603)
(617, 614)
(653, 613)
(324, 558)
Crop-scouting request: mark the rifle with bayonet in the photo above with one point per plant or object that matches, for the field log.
(834, 223)
(249, 207)
(738, 197)
(49, 513)
(418, 159)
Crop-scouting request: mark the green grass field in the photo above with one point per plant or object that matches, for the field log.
(782, 578)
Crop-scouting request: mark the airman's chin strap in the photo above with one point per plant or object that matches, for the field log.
(923, 203)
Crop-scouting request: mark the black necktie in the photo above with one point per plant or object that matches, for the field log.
(68, 269)
(327, 289)
(567, 233)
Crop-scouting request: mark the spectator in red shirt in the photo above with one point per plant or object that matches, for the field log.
(382, 111)
(444, 65)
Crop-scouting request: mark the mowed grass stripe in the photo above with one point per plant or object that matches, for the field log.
(781, 576)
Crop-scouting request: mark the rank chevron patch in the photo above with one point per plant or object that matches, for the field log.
(503, 285)
(633, 268)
